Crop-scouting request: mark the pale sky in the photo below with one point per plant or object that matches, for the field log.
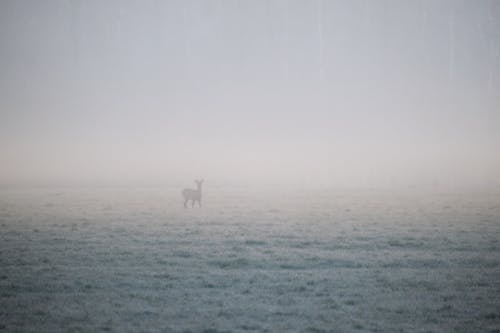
(335, 93)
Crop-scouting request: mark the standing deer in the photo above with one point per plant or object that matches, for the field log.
(193, 195)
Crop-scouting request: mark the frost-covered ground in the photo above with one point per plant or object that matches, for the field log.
(133, 260)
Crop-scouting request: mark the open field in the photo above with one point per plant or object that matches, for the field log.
(134, 260)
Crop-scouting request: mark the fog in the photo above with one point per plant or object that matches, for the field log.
(340, 94)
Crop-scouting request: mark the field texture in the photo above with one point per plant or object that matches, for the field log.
(134, 260)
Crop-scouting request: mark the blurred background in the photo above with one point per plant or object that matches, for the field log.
(361, 94)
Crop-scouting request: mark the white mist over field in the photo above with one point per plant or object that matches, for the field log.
(349, 152)
(327, 93)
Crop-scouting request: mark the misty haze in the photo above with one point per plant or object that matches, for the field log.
(249, 166)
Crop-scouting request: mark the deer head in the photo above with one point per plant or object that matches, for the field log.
(199, 182)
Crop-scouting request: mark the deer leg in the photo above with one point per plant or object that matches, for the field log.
(199, 203)
(185, 203)
(192, 203)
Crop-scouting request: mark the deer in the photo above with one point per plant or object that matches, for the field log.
(193, 195)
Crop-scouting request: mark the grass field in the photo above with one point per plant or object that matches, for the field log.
(134, 260)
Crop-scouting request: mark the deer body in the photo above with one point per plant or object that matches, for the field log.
(192, 194)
